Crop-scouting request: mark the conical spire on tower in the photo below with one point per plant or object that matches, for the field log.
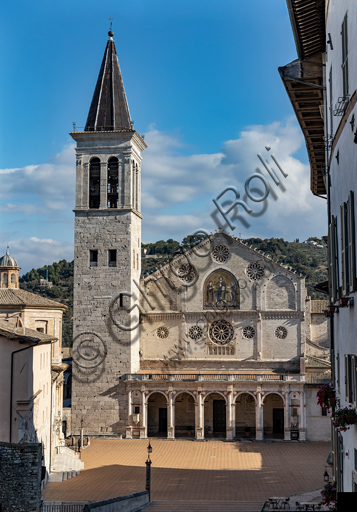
(109, 109)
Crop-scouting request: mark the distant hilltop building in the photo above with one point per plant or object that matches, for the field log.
(312, 242)
(45, 283)
(228, 344)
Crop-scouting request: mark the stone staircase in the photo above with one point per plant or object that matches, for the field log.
(204, 506)
(67, 464)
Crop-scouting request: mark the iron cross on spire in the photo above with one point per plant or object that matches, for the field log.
(111, 22)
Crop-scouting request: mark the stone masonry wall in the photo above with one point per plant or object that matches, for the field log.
(101, 351)
(20, 477)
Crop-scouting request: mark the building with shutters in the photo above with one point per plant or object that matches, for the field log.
(31, 369)
(221, 342)
(322, 86)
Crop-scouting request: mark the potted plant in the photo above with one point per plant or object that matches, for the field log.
(329, 495)
(326, 396)
(189, 431)
(344, 417)
(247, 431)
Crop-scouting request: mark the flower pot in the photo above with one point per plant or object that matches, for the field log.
(343, 302)
(332, 401)
(351, 418)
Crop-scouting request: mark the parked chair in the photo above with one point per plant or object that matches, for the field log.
(286, 504)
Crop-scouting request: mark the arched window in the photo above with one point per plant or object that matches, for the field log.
(4, 279)
(12, 278)
(94, 183)
(113, 187)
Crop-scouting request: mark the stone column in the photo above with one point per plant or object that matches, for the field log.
(143, 429)
(259, 337)
(302, 422)
(170, 417)
(259, 417)
(199, 409)
(79, 182)
(85, 197)
(103, 185)
(229, 415)
(127, 177)
(139, 189)
(287, 436)
(129, 433)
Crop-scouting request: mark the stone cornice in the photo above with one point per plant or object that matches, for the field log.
(94, 211)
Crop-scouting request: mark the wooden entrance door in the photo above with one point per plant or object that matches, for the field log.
(278, 421)
(163, 420)
(219, 416)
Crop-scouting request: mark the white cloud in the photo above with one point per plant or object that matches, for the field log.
(177, 192)
(188, 184)
(35, 252)
(49, 186)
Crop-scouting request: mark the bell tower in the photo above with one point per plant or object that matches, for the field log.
(107, 255)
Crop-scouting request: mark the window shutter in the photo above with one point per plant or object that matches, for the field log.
(347, 384)
(338, 372)
(333, 263)
(343, 251)
(354, 381)
(351, 243)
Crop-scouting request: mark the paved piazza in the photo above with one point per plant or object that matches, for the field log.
(210, 470)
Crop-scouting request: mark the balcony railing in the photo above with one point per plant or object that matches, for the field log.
(211, 377)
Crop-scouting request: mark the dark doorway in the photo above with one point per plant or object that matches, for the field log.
(278, 421)
(219, 416)
(163, 420)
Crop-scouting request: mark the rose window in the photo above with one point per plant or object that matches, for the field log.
(186, 272)
(255, 271)
(281, 332)
(195, 332)
(162, 332)
(221, 332)
(220, 253)
(248, 332)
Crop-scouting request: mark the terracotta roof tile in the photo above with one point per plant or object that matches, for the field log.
(15, 296)
(9, 329)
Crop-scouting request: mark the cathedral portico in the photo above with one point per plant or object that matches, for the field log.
(202, 406)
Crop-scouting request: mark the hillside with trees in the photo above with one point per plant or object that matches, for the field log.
(305, 259)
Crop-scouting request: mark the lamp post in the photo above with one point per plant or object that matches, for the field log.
(326, 476)
(148, 469)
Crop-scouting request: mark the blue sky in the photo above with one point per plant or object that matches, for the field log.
(202, 83)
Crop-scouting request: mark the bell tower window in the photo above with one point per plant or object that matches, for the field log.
(112, 257)
(94, 183)
(93, 258)
(113, 187)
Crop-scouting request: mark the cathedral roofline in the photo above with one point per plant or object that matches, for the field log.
(238, 241)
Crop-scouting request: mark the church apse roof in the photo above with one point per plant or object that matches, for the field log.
(109, 110)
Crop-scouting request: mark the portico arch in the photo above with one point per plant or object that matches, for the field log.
(245, 415)
(273, 423)
(184, 414)
(215, 405)
(157, 414)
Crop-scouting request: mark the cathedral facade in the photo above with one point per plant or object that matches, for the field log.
(221, 342)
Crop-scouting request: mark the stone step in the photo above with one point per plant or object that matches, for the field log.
(204, 506)
(66, 465)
